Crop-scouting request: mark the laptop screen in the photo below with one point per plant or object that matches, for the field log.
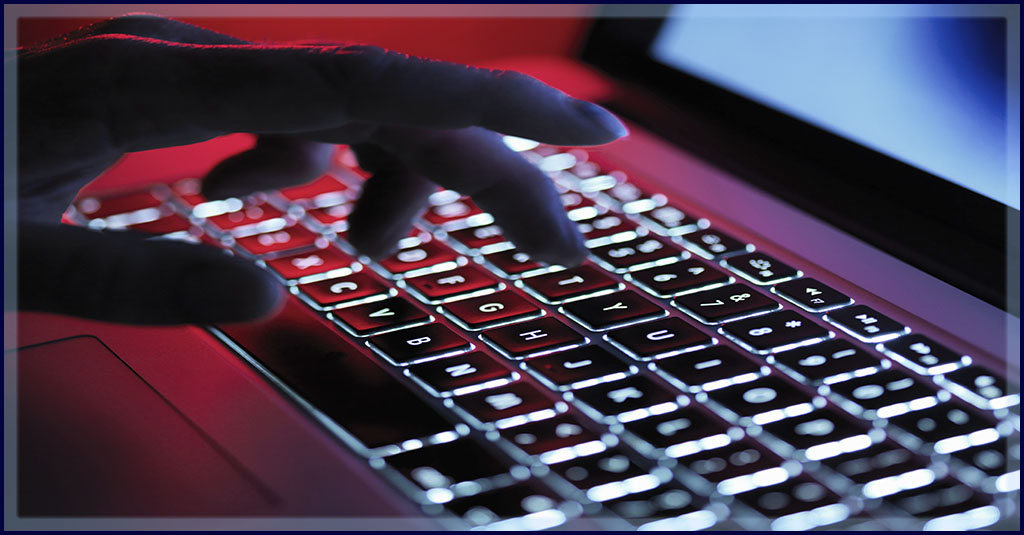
(912, 112)
(918, 84)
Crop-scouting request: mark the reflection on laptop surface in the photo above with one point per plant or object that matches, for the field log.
(778, 325)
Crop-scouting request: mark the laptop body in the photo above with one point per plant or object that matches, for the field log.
(188, 383)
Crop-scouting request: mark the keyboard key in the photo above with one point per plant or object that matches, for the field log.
(945, 428)
(885, 394)
(168, 224)
(735, 467)
(584, 176)
(679, 433)
(512, 263)
(324, 191)
(866, 324)
(797, 504)
(355, 288)
(669, 507)
(829, 362)
(534, 337)
(659, 338)
(671, 221)
(606, 475)
(554, 439)
(773, 332)
(379, 316)
(280, 241)
(608, 311)
(508, 406)
(342, 381)
(425, 255)
(248, 219)
(713, 243)
(462, 374)
(328, 262)
(572, 283)
(445, 466)
(980, 387)
(924, 355)
(726, 303)
(680, 277)
(184, 191)
(812, 295)
(634, 200)
(333, 218)
(99, 207)
(579, 208)
(994, 467)
(881, 466)
(458, 210)
(439, 287)
(760, 268)
(498, 308)
(823, 433)
(606, 228)
(579, 368)
(417, 344)
(629, 399)
(638, 253)
(710, 369)
(476, 238)
(644, 204)
(768, 399)
(943, 498)
(500, 508)
(188, 192)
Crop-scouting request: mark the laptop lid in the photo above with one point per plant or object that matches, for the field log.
(894, 125)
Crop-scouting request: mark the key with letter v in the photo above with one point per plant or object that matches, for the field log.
(379, 316)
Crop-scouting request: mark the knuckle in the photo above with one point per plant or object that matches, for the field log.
(131, 24)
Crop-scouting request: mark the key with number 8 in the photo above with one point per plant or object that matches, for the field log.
(776, 331)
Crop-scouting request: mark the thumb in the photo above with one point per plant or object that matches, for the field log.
(129, 277)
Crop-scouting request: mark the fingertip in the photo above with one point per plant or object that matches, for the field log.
(275, 162)
(602, 119)
(568, 250)
(369, 242)
(227, 292)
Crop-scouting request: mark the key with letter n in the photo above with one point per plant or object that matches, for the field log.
(462, 374)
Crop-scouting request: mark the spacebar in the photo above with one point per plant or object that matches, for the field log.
(314, 360)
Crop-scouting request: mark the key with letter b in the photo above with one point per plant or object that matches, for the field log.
(419, 343)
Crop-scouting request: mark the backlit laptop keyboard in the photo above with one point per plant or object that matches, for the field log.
(681, 378)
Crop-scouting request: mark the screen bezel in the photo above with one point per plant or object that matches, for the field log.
(946, 230)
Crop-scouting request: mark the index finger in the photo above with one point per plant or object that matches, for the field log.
(204, 90)
(475, 162)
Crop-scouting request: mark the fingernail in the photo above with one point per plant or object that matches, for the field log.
(602, 118)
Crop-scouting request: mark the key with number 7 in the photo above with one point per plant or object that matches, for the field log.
(726, 303)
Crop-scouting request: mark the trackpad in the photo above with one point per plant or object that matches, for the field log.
(94, 439)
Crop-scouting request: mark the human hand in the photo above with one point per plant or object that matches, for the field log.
(143, 82)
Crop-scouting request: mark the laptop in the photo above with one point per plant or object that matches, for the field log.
(800, 311)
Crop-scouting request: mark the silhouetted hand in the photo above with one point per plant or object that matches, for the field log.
(143, 82)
